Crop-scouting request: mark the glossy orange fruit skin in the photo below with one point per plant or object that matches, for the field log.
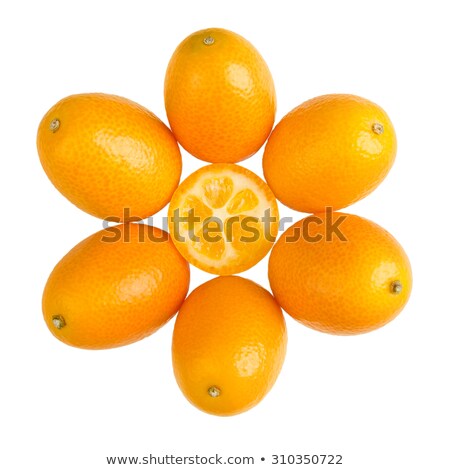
(108, 155)
(329, 152)
(220, 97)
(112, 293)
(340, 287)
(229, 335)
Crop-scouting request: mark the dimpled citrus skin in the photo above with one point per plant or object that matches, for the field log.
(109, 154)
(326, 152)
(229, 335)
(116, 287)
(220, 97)
(339, 287)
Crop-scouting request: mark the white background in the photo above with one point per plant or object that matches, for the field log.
(381, 399)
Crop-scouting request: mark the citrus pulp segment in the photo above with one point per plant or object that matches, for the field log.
(223, 218)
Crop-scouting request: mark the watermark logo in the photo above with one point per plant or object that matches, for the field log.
(251, 229)
(308, 228)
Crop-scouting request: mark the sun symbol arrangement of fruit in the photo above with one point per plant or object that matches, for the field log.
(333, 272)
